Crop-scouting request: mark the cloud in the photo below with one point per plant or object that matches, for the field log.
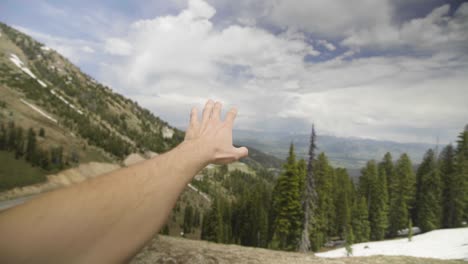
(173, 62)
(329, 18)
(116, 46)
(354, 68)
(329, 46)
(435, 32)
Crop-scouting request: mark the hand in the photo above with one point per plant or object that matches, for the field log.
(214, 136)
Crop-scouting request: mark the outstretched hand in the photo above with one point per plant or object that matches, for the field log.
(213, 135)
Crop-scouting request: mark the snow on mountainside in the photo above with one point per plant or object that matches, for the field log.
(440, 244)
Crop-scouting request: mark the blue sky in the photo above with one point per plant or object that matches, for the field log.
(393, 70)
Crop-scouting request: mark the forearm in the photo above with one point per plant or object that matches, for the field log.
(106, 219)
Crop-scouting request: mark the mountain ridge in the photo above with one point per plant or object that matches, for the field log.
(349, 152)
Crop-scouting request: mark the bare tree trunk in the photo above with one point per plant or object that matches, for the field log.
(308, 198)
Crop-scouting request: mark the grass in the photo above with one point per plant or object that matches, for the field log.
(17, 172)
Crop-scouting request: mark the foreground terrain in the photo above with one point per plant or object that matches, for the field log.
(441, 244)
(164, 249)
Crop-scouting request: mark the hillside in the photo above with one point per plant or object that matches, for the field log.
(77, 118)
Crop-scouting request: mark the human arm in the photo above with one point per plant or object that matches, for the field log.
(108, 219)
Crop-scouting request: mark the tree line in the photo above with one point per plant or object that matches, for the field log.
(388, 197)
(24, 144)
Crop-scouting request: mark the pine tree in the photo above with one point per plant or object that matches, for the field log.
(343, 201)
(428, 194)
(410, 230)
(461, 180)
(188, 219)
(389, 170)
(309, 197)
(322, 224)
(402, 196)
(287, 205)
(41, 132)
(349, 240)
(19, 142)
(213, 226)
(449, 185)
(378, 202)
(3, 137)
(360, 220)
(31, 147)
(11, 139)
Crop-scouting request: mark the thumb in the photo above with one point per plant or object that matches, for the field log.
(241, 152)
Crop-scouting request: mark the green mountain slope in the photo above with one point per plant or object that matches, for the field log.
(74, 118)
(79, 104)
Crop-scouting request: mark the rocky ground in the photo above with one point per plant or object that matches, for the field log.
(164, 249)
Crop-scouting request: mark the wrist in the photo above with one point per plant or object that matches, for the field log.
(196, 151)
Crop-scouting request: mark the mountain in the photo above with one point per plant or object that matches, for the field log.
(351, 153)
(73, 117)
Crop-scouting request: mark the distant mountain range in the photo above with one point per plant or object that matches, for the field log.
(351, 153)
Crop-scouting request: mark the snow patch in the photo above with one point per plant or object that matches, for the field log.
(66, 102)
(17, 61)
(204, 195)
(439, 244)
(42, 83)
(45, 48)
(35, 108)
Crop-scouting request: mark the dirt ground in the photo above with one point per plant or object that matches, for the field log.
(171, 250)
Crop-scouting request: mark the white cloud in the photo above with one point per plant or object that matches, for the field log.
(330, 18)
(437, 31)
(87, 49)
(329, 46)
(173, 62)
(116, 46)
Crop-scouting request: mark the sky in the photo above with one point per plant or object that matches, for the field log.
(387, 70)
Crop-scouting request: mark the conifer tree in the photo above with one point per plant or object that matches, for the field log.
(31, 145)
(428, 195)
(3, 137)
(410, 230)
(287, 205)
(461, 180)
(213, 226)
(380, 207)
(343, 202)
(41, 132)
(19, 142)
(308, 195)
(360, 220)
(322, 224)
(402, 199)
(349, 240)
(389, 170)
(373, 186)
(11, 142)
(188, 219)
(449, 185)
